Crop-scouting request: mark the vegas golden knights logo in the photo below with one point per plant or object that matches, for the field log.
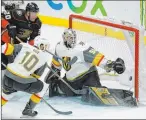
(66, 66)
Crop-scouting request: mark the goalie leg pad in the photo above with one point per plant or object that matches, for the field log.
(99, 96)
(124, 97)
(108, 97)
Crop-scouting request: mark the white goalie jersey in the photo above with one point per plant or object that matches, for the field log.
(87, 59)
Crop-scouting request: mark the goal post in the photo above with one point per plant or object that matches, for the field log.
(133, 35)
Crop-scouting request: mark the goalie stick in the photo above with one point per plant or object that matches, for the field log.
(57, 111)
(83, 91)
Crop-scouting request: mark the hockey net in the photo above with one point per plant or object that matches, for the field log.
(116, 39)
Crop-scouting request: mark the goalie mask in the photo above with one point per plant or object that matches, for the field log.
(42, 43)
(69, 38)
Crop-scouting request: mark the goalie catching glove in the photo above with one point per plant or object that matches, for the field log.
(117, 66)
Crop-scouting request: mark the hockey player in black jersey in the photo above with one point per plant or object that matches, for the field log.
(21, 23)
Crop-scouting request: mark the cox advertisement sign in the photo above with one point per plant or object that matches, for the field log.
(98, 6)
(121, 10)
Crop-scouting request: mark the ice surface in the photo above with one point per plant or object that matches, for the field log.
(80, 110)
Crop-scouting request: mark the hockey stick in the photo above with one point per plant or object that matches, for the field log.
(72, 61)
(83, 91)
(3, 31)
(11, 39)
(3, 64)
(57, 111)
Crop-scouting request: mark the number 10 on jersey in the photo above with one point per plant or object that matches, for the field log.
(29, 61)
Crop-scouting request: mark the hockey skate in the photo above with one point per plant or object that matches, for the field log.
(28, 110)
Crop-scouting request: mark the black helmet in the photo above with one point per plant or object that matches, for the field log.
(32, 7)
(10, 6)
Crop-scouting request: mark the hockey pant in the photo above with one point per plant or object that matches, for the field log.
(10, 87)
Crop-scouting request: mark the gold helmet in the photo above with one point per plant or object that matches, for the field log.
(42, 43)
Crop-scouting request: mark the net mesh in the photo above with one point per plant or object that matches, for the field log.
(113, 43)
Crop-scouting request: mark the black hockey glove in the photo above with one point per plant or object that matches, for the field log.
(12, 31)
(117, 66)
(51, 76)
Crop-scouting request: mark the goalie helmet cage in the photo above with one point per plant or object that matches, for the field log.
(122, 25)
